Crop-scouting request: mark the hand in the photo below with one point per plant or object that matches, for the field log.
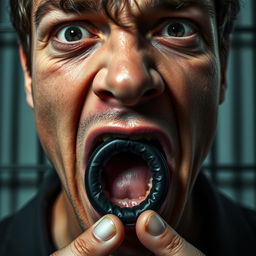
(107, 234)
(104, 237)
(161, 239)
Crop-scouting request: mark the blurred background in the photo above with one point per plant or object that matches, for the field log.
(231, 164)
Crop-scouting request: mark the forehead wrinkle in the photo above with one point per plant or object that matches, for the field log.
(181, 4)
(68, 6)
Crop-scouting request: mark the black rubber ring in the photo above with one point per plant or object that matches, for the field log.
(156, 163)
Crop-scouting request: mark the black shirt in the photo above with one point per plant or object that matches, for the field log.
(228, 229)
(27, 231)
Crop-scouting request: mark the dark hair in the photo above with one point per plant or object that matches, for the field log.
(226, 11)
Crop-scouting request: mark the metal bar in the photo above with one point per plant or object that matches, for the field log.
(237, 120)
(6, 28)
(232, 167)
(3, 69)
(246, 29)
(23, 184)
(14, 141)
(41, 160)
(25, 167)
(224, 167)
(238, 43)
(254, 89)
(9, 44)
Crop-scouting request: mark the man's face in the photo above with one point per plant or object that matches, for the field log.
(155, 78)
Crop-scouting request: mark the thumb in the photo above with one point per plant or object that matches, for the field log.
(101, 239)
(161, 239)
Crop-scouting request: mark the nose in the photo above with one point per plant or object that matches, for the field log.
(128, 77)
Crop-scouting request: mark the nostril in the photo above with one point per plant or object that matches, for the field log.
(105, 94)
(150, 93)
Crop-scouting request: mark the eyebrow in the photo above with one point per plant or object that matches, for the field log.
(77, 6)
(92, 6)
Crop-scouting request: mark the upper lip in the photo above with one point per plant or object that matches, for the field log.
(122, 132)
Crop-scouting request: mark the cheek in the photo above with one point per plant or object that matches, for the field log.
(203, 100)
(204, 92)
(50, 102)
(59, 99)
(59, 93)
(193, 85)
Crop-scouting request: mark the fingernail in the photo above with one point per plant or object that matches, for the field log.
(105, 229)
(155, 226)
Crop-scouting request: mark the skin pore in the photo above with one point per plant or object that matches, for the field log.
(92, 76)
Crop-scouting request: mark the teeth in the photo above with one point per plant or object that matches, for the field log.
(134, 203)
(150, 183)
(127, 203)
(149, 186)
(123, 203)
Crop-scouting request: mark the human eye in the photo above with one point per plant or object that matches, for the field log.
(72, 33)
(180, 34)
(177, 29)
(73, 36)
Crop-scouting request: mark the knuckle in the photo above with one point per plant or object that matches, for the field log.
(81, 247)
(175, 244)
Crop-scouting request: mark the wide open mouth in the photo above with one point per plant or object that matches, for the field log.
(126, 177)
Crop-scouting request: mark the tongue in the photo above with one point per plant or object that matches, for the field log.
(126, 176)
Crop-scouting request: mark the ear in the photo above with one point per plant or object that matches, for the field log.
(27, 78)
